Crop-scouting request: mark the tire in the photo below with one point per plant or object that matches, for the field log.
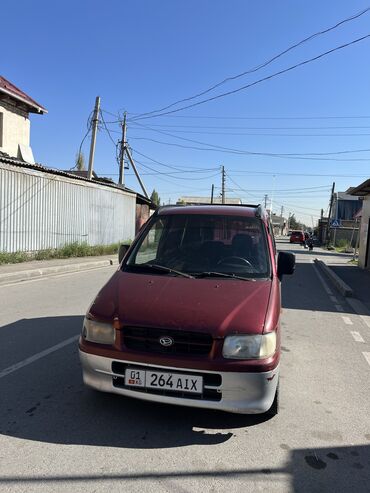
(274, 409)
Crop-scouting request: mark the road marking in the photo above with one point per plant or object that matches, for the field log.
(347, 320)
(367, 357)
(366, 320)
(35, 357)
(357, 336)
(339, 308)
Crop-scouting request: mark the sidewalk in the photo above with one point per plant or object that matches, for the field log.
(358, 279)
(37, 268)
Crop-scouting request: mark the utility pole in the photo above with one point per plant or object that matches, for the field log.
(121, 179)
(330, 209)
(281, 211)
(95, 122)
(124, 150)
(266, 197)
(212, 192)
(223, 185)
(136, 172)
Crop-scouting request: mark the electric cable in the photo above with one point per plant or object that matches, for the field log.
(263, 79)
(264, 64)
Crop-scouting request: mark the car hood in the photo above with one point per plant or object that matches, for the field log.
(216, 306)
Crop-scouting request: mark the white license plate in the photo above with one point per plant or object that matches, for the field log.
(166, 381)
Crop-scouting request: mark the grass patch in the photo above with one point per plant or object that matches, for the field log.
(343, 246)
(13, 258)
(67, 251)
(353, 262)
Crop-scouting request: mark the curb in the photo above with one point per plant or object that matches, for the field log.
(338, 283)
(25, 275)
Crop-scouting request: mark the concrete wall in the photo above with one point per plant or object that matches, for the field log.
(364, 235)
(40, 210)
(15, 128)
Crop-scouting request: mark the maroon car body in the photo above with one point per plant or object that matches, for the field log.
(297, 237)
(144, 307)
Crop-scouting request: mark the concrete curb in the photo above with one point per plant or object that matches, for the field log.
(25, 275)
(338, 283)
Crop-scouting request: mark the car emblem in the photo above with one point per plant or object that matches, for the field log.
(166, 341)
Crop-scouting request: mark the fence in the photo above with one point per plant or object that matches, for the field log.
(40, 210)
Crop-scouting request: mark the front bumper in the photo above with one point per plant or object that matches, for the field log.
(244, 393)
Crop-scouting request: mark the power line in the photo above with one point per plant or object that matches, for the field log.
(107, 129)
(280, 154)
(156, 172)
(272, 173)
(112, 114)
(223, 127)
(264, 64)
(251, 84)
(167, 165)
(279, 203)
(298, 156)
(161, 177)
(235, 134)
(89, 125)
(110, 136)
(229, 151)
(218, 117)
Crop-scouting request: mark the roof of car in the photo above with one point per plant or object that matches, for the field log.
(223, 210)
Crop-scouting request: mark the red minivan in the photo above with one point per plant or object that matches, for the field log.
(192, 314)
(297, 237)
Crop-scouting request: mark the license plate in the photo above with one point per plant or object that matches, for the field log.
(166, 381)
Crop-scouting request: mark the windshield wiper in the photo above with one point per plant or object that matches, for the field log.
(162, 268)
(223, 274)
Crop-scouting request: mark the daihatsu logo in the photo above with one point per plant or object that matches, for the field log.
(166, 341)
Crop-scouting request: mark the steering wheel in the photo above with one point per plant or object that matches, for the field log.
(239, 260)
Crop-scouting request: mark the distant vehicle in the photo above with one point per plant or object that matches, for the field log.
(289, 232)
(297, 237)
(192, 315)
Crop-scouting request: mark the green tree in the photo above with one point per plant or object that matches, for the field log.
(80, 162)
(155, 198)
(293, 223)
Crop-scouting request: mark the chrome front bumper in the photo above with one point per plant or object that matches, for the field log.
(244, 393)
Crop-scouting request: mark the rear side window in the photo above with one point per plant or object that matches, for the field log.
(196, 243)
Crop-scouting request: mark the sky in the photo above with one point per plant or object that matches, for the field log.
(144, 55)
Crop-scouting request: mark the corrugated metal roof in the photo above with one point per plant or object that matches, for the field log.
(5, 158)
(362, 189)
(6, 87)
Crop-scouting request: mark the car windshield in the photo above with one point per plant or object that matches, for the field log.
(198, 245)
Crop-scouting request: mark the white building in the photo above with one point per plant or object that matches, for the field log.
(363, 190)
(15, 108)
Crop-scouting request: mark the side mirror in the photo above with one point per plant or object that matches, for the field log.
(122, 252)
(285, 264)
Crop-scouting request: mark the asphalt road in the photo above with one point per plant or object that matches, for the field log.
(57, 436)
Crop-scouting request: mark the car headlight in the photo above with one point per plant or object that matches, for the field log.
(257, 346)
(98, 332)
